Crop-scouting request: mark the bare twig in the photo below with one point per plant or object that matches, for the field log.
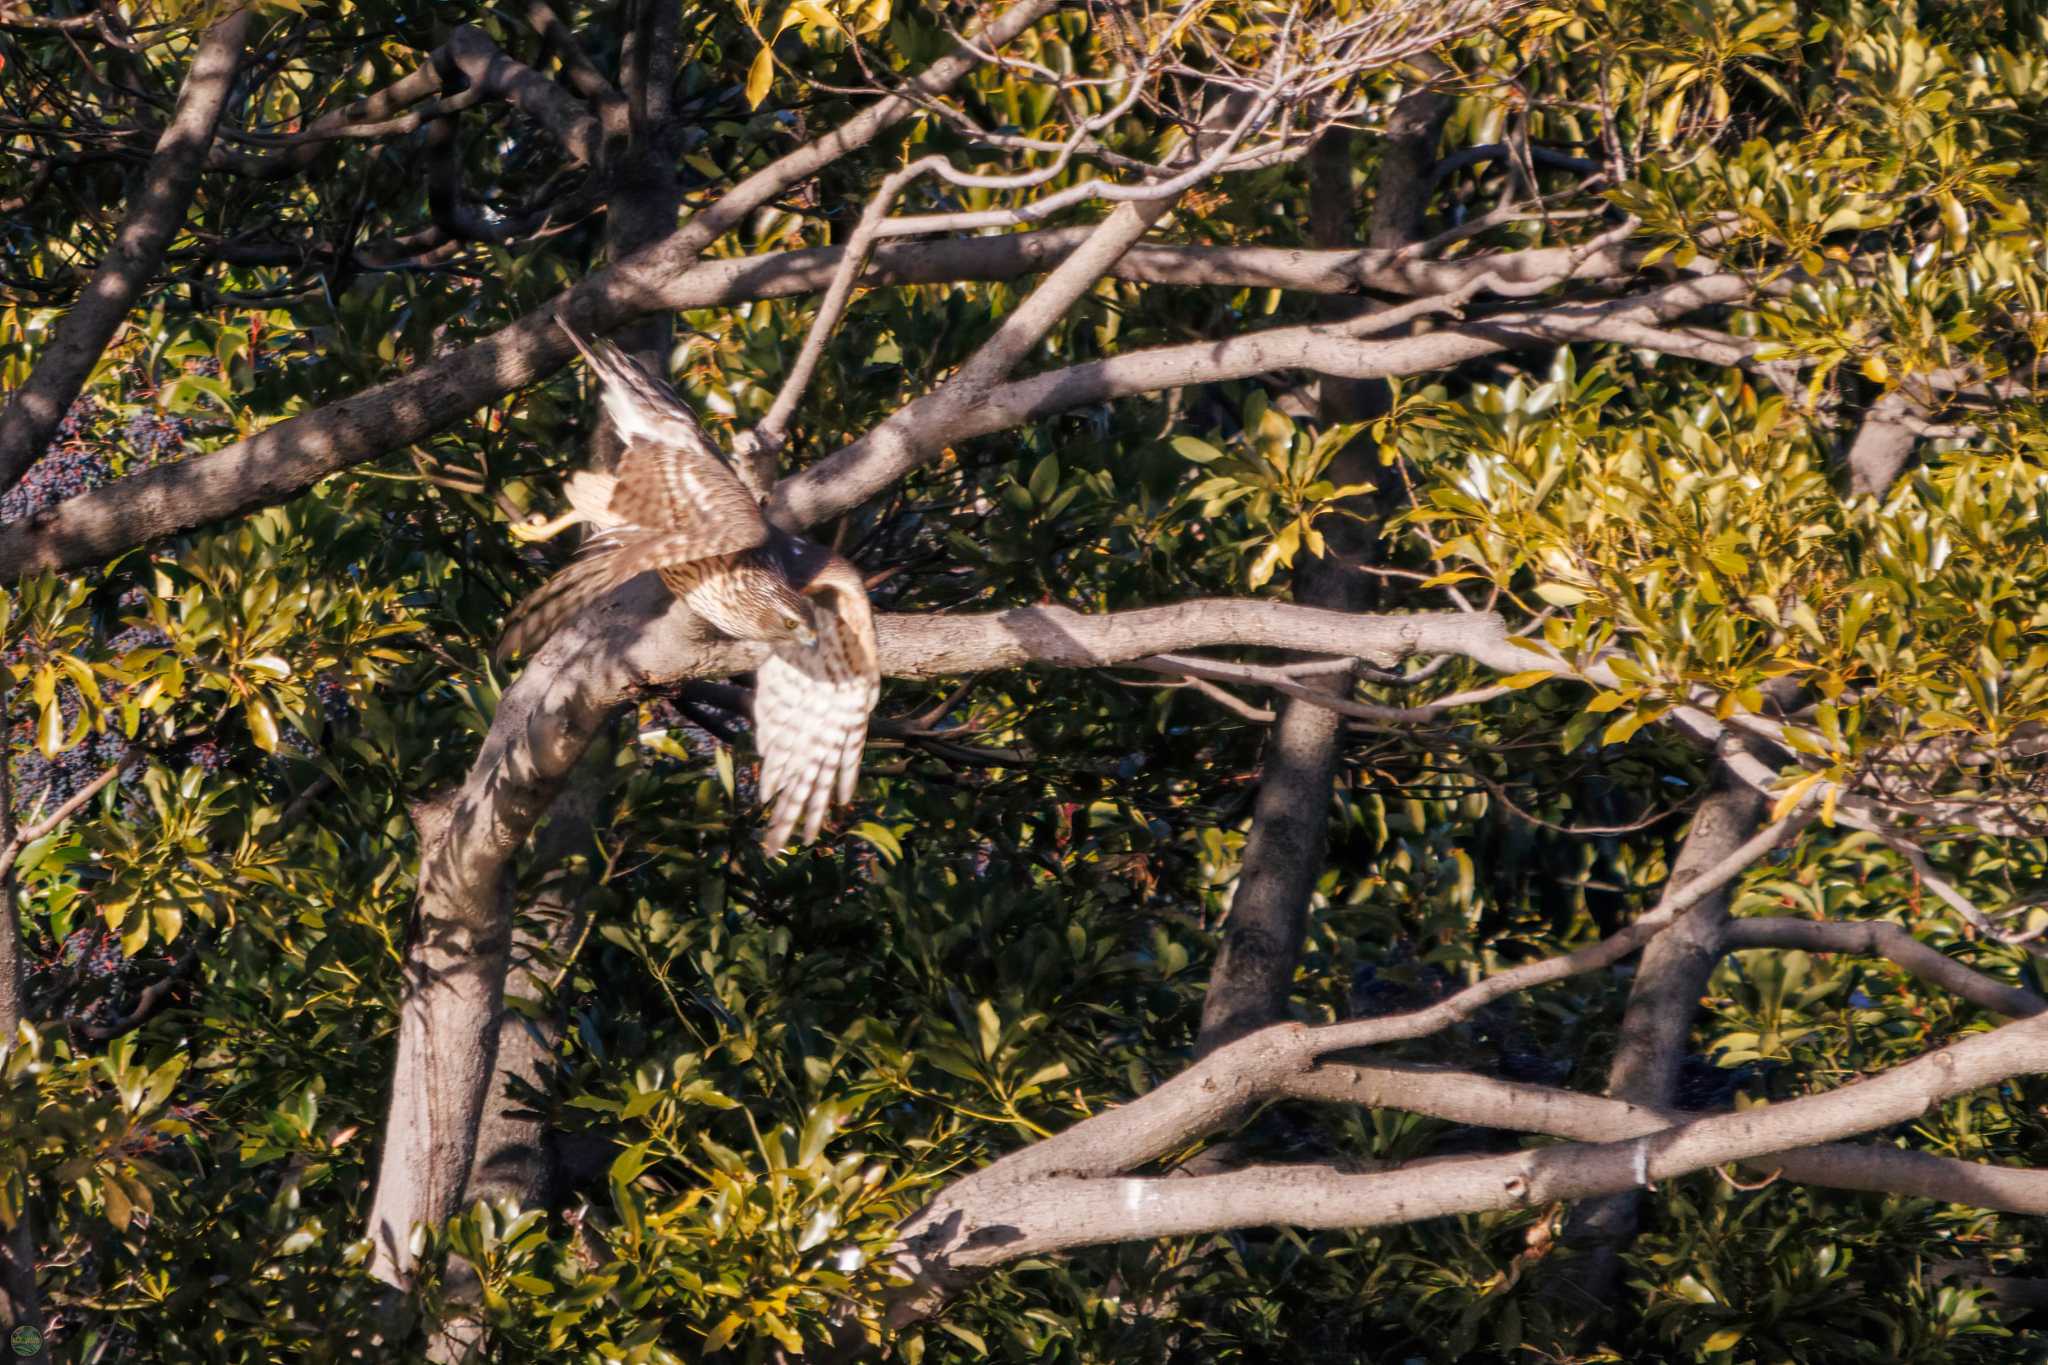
(11, 850)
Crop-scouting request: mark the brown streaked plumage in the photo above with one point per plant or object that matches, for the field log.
(675, 507)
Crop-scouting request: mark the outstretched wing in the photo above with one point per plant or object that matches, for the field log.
(811, 706)
(670, 477)
(672, 500)
(622, 554)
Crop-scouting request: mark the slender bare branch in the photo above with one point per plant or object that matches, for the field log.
(1881, 938)
(919, 430)
(10, 850)
(1489, 1102)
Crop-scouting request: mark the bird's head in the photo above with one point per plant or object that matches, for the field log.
(791, 612)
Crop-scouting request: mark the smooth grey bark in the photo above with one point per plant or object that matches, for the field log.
(1674, 969)
(1253, 976)
(1071, 1190)
(447, 1040)
(512, 1155)
(513, 1158)
(155, 214)
(1883, 444)
(1656, 1024)
(1002, 1221)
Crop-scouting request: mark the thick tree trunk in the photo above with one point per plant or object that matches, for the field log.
(447, 1046)
(1254, 971)
(512, 1160)
(1657, 1024)
(511, 1157)
(154, 215)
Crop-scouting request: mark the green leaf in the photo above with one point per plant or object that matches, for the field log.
(1689, 1287)
(270, 665)
(119, 1210)
(717, 1337)
(1561, 594)
(968, 1335)
(1528, 679)
(1045, 480)
(262, 723)
(881, 837)
(50, 730)
(991, 1026)
(760, 76)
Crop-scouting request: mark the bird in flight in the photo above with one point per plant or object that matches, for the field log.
(674, 506)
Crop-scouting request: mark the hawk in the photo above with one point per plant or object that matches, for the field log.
(674, 506)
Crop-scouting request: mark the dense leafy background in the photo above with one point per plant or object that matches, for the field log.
(768, 1064)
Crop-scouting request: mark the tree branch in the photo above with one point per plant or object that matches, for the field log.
(485, 66)
(281, 460)
(1881, 938)
(613, 114)
(1488, 1102)
(1656, 1024)
(157, 211)
(918, 431)
(1253, 975)
(10, 849)
(1039, 1200)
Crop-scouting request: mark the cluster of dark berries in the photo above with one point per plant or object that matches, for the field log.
(208, 755)
(153, 437)
(64, 472)
(98, 950)
(132, 638)
(78, 421)
(47, 783)
(335, 702)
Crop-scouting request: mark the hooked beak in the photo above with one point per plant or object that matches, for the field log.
(805, 635)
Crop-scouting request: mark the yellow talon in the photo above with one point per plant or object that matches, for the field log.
(538, 529)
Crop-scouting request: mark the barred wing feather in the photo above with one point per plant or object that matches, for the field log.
(811, 709)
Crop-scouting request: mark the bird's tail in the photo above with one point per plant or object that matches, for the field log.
(641, 406)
